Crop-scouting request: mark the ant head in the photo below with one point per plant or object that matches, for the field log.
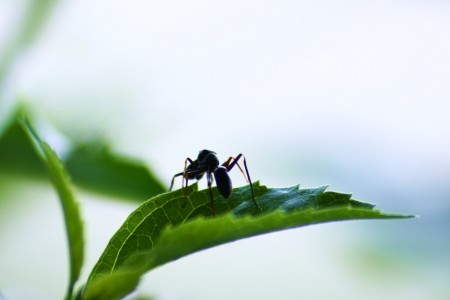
(208, 160)
(204, 153)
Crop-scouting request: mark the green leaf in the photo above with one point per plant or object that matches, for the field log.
(92, 166)
(16, 151)
(72, 217)
(114, 286)
(163, 229)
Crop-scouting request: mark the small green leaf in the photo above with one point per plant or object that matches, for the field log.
(164, 229)
(95, 167)
(71, 210)
(92, 165)
(16, 152)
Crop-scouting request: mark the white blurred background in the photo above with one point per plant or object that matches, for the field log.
(354, 94)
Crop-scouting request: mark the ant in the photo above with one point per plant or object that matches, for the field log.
(207, 162)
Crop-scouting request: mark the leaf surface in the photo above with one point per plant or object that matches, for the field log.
(163, 229)
(17, 154)
(72, 216)
(94, 166)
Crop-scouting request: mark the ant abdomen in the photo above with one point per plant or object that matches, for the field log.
(223, 181)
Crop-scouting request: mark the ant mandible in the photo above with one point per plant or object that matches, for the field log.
(207, 162)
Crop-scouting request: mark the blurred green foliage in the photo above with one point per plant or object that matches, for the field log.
(17, 155)
(33, 21)
(92, 166)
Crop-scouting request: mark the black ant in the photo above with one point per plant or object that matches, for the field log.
(207, 162)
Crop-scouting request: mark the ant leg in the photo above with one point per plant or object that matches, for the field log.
(226, 164)
(173, 180)
(209, 181)
(185, 183)
(186, 178)
(185, 173)
(185, 189)
(234, 161)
